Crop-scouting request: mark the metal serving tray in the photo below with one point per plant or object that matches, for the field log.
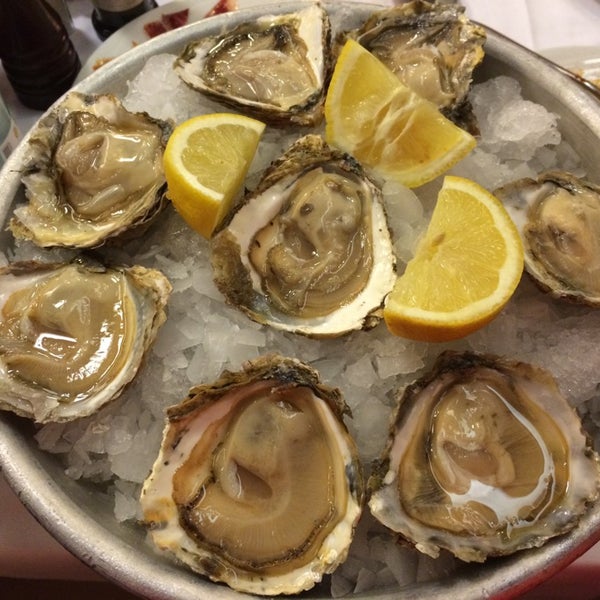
(82, 519)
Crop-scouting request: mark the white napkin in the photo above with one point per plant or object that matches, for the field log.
(540, 24)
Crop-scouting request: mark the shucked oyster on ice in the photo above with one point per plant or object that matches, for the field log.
(94, 171)
(558, 216)
(309, 250)
(433, 49)
(485, 457)
(257, 483)
(274, 68)
(73, 336)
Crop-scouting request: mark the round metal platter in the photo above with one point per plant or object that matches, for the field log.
(81, 517)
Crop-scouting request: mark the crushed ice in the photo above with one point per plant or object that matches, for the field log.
(202, 335)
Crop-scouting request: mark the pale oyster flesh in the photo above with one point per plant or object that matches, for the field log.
(309, 250)
(432, 48)
(94, 171)
(275, 68)
(485, 457)
(72, 336)
(257, 483)
(558, 216)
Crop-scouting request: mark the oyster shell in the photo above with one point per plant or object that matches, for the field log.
(94, 171)
(72, 336)
(485, 457)
(432, 48)
(309, 250)
(558, 216)
(257, 483)
(275, 68)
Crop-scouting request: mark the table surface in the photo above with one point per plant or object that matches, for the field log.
(28, 552)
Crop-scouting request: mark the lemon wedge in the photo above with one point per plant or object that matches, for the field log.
(386, 126)
(206, 161)
(464, 271)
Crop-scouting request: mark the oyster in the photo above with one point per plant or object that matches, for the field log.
(309, 250)
(275, 68)
(257, 483)
(432, 48)
(94, 171)
(558, 216)
(485, 457)
(72, 336)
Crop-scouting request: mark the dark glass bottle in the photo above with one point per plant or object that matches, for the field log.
(37, 54)
(110, 15)
(9, 133)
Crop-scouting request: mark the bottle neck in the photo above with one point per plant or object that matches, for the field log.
(116, 6)
(110, 15)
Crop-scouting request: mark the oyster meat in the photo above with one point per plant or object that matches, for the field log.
(485, 457)
(309, 250)
(432, 48)
(93, 171)
(257, 483)
(558, 216)
(72, 336)
(275, 68)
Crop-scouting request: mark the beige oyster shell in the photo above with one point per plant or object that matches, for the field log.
(274, 68)
(485, 457)
(309, 250)
(432, 48)
(558, 216)
(93, 171)
(257, 483)
(73, 336)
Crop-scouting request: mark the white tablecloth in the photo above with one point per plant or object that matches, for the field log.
(26, 549)
(541, 24)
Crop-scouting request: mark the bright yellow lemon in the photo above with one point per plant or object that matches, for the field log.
(373, 116)
(464, 271)
(206, 161)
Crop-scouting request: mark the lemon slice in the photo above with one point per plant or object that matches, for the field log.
(373, 116)
(205, 162)
(465, 269)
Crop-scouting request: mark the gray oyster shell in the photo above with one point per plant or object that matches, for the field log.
(274, 69)
(257, 483)
(485, 457)
(93, 172)
(558, 216)
(73, 335)
(309, 250)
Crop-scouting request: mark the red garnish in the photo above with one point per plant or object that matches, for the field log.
(176, 19)
(222, 6)
(168, 22)
(154, 28)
